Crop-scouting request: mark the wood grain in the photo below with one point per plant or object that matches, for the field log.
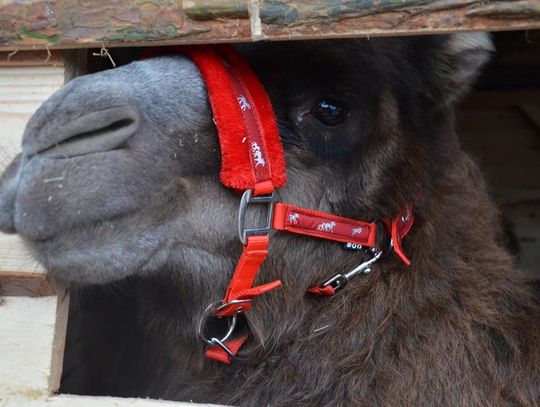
(31, 339)
(25, 285)
(15, 258)
(45, 24)
(33, 320)
(23, 89)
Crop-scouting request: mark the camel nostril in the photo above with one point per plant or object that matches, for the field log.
(92, 133)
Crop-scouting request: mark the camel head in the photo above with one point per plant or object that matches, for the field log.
(119, 170)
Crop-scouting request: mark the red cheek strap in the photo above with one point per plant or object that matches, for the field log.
(323, 225)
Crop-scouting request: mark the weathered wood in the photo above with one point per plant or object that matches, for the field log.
(76, 24)
(86, 401)
(32, 340)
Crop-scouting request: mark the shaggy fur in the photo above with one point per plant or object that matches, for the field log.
(137, 194)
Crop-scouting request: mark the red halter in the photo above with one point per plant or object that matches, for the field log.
(253, 162)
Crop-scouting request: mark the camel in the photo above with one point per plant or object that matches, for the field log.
(118, 181)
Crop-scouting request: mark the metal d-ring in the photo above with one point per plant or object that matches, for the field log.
(232, 319)
(208, 312)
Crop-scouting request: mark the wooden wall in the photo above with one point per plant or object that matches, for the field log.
(33, 318)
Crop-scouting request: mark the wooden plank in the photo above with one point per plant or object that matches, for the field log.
(33, 329)
(31, 340)
(23, 89)
(15, 258)
(44, 24)
(25, 285)
(26, 81)
(86, 401)
(24, 86)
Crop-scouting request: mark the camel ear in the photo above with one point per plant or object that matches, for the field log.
(463, 56)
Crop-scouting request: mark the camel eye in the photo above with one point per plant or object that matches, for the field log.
(330, 112)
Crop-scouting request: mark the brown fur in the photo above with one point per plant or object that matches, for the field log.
(459, 327)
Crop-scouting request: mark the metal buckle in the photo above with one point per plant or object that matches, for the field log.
(249, 198)
(210, 312)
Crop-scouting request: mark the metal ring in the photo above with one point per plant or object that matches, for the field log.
(207, 313)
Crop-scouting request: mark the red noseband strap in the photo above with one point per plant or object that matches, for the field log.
(252, 160)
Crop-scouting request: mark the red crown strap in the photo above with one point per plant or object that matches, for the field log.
(263, 113)
(251, 151)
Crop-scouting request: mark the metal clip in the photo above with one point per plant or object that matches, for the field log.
(339, 281)
(249, 198)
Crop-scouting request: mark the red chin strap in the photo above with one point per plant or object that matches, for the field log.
(252, 161)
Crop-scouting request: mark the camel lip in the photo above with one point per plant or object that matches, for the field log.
(57, 152)
(98, 131)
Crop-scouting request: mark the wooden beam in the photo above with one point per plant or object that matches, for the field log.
(85, 401)
(45, 24)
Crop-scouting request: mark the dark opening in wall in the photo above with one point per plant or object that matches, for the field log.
(499, 123)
